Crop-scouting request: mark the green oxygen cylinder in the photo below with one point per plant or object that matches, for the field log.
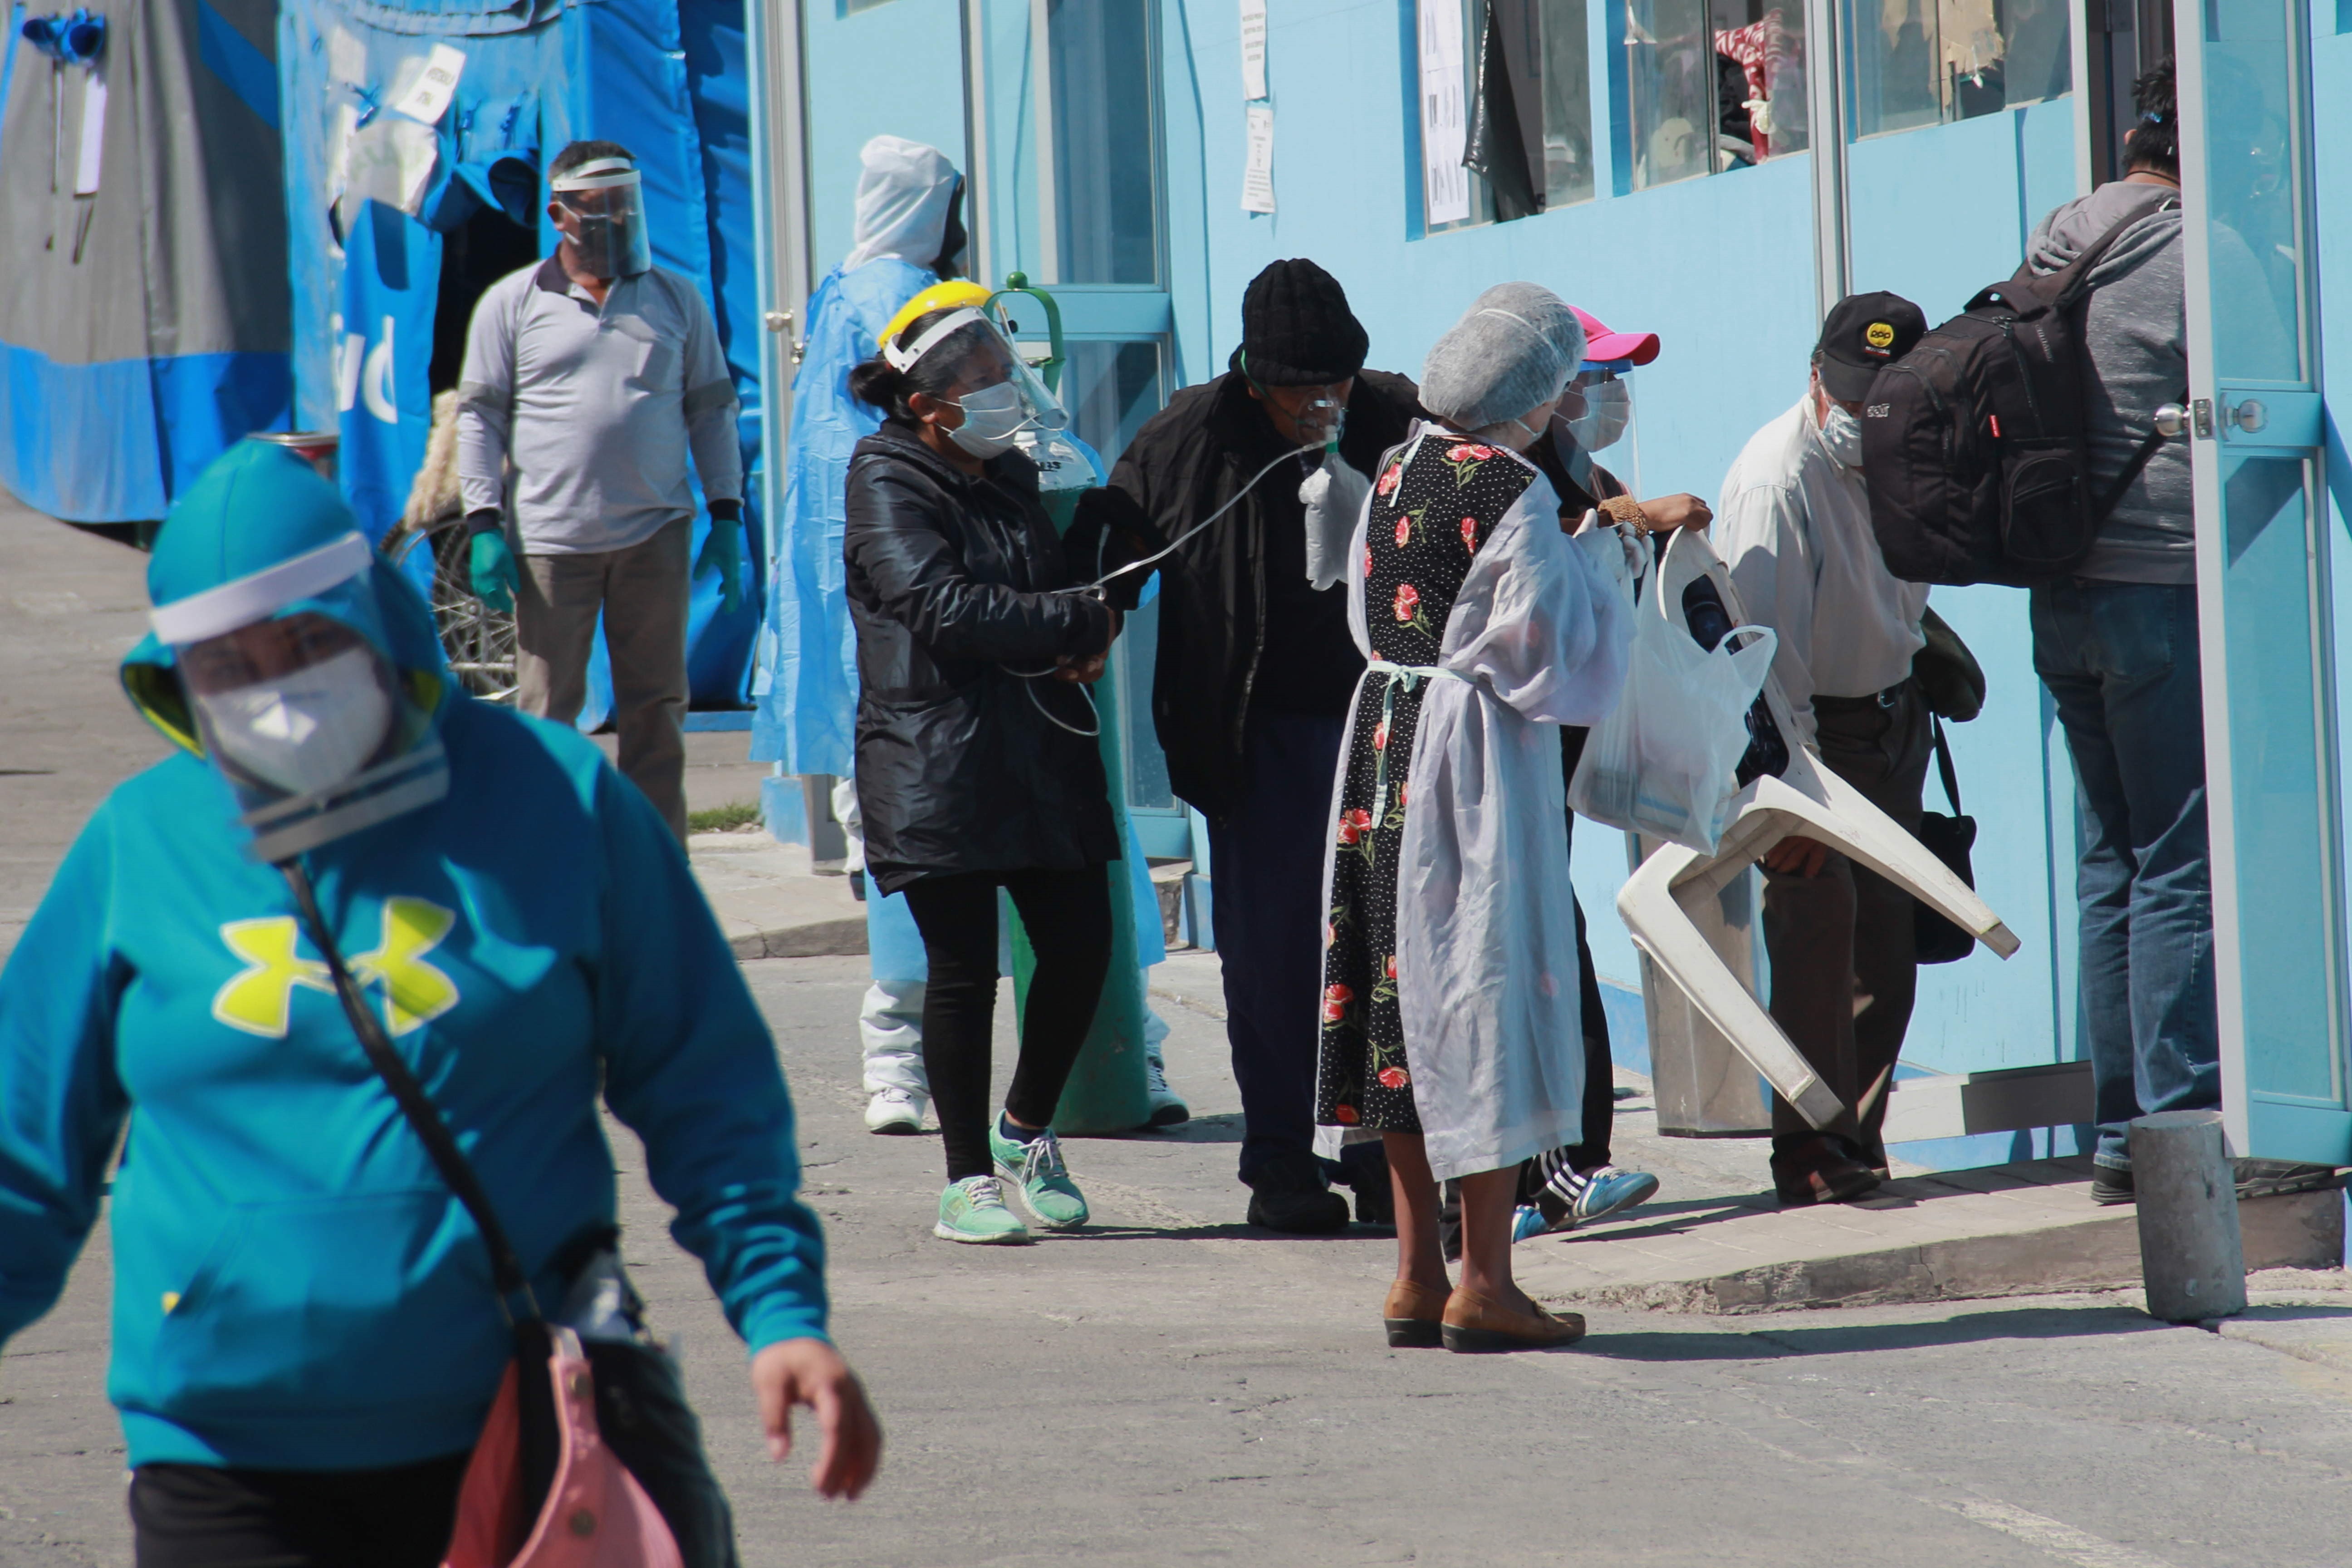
(1106, 1091)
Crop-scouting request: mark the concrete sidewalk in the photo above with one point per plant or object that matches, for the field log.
(768, 901)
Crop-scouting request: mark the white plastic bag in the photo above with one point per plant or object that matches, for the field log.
(1334, 496)
(1662, 762)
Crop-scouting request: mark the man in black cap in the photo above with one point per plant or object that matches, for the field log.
(1256, 668)
(1794, 526)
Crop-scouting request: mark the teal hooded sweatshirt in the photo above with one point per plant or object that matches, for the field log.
(294, 1286)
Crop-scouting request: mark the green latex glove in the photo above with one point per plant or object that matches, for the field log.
(494, 572)
(722, 548)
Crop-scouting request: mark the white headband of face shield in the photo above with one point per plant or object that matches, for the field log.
(262, 594)
(597, 174)
(902, 359)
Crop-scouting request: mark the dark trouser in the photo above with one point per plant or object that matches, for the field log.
(1067, 917)
(2121, 663)
(199, 1516)
(1265, 866)
(1599, 1067)
(1843, 968)
(641, 593)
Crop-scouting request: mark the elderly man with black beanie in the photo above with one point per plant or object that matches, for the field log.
(1256, 668)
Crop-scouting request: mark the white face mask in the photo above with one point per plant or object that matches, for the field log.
(307, 731)
(1842, 434)
(1608, 408)
(992, 417)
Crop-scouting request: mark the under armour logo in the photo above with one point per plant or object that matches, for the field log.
(259, 999)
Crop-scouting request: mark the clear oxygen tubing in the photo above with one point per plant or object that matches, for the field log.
(1105, 580)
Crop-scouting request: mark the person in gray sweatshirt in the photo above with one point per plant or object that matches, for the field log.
(2116, 644)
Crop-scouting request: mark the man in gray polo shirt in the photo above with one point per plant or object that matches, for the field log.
(588, 380)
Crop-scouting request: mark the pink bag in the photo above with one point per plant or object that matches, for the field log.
(596, 1515)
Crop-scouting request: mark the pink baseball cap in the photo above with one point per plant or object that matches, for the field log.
(1602, 345)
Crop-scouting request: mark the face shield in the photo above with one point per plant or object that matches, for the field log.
(605, 198)
(1000, 394)
(299, 709)
(1596, 413)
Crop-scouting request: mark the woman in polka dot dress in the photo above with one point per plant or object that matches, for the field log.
(1449, 1022)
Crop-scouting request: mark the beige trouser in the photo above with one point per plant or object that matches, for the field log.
(641, 593)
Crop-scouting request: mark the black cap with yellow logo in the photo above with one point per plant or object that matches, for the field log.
(1863, 334)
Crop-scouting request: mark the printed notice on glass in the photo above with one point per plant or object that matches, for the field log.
(428, 98)
(1257, 179)
(1444, 183)
(1253, 48)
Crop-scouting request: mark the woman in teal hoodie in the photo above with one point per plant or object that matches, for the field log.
(302, 1309)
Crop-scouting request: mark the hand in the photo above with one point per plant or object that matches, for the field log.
(812, 1373)
(1797, 856)
(493, 572)
(723, 549)
(1676, 512)
(1081, 671)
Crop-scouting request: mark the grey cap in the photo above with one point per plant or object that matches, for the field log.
(1514, 348)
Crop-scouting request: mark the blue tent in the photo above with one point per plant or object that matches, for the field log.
(414, 133)
(142, 249)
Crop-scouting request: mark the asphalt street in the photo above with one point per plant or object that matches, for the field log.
(1170, 1386)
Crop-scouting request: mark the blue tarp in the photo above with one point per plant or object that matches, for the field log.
(667, 78)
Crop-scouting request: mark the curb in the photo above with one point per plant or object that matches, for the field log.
(819, 938)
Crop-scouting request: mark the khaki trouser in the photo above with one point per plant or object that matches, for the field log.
(641, 593)
(1844, 965)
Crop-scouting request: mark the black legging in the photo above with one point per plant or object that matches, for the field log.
(1066, 915)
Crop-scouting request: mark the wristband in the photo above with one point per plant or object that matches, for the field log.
(485, 520)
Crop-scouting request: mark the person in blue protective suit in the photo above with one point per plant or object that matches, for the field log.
(909, 236)
(302, 1309)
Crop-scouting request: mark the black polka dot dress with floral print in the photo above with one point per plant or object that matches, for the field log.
(1433, 506)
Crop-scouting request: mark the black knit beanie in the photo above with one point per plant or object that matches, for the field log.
(1297, 329)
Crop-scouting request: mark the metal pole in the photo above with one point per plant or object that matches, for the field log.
(2191, 1257)
(1825, 120)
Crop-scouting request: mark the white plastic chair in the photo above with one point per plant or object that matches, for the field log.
(1807, 800)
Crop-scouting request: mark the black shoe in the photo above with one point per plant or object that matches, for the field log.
(1376, 1206)
(1364, 1170)
(1820, 1170)
(1288, 1199)
(2109, 1186)
(2274, 1178)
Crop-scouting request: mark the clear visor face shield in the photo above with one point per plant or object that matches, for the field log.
(1596, 413)
(606, 199)
(1001, 395)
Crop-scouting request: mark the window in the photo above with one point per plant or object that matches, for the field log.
(1712, 84)
(1104, 200)
(1923, 62)
(1507, 108)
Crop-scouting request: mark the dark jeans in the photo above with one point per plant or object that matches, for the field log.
(1265, 866)
(2121, 663)
(1844, 968)
(1599, 1067)
(1067, 917)
(201, 1516)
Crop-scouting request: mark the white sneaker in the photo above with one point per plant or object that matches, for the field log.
(894, 1111)
(1167, 1107)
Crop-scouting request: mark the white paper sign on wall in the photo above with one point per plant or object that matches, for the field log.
(429, 96)
(1257, 179)
(1253, 48)
(1444, 126)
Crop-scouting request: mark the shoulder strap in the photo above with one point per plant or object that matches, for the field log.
(2078, 271)
(2139, 460)
(423, 1116)
(1944, 764)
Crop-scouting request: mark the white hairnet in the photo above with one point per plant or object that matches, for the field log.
(903, 199)
(1515, 348)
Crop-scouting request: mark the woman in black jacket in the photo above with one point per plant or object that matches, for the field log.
(976, 763)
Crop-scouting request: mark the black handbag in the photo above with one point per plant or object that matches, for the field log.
(1949, 839)
(642, 1413)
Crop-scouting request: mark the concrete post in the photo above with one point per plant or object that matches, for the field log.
(2191, 1257)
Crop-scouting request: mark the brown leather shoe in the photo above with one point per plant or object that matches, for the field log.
(1475, 1325)
(1411, 1313)
(1817, 1171)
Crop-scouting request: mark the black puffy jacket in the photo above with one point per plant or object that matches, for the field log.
(951, 583)
(1186, 461)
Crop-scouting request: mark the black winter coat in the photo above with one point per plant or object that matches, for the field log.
(1187, 461)
(951, 586)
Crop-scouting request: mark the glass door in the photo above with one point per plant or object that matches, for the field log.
(2265, 570)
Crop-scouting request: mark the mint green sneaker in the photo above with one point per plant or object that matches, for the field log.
(1053, 1199)
(973, 1210)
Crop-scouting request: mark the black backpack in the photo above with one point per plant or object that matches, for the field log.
(1972, 443)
